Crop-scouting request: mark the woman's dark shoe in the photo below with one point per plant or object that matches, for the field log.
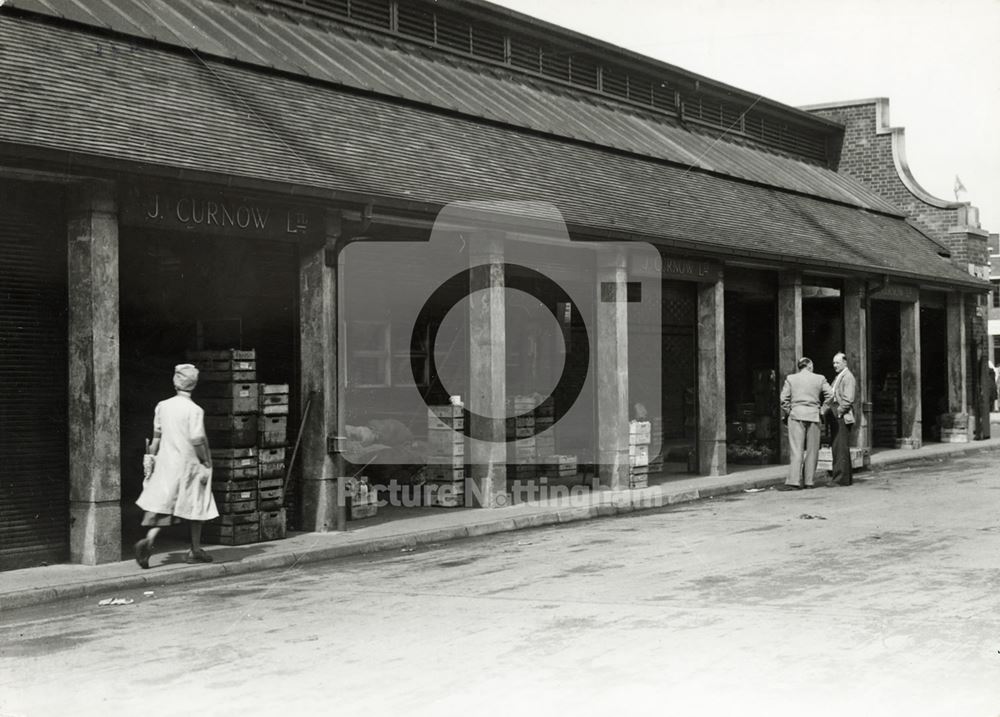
(197, 556)
(142, 551)
(787, 486)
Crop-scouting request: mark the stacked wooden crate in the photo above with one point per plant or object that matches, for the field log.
(227, 391)
(522, 449)
(444, 474)
(234, 484)
(272, 439)
(639, 434)
(562, 467)
(657, 451)
(362, 499)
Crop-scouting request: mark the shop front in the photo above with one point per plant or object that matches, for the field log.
(34, 426)
(211, 278)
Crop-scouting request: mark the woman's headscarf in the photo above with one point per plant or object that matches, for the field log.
(185, 377)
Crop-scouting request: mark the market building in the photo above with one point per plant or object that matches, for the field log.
(209, 174)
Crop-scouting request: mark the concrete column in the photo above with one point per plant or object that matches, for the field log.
(318, 337)
(611, 369)
(488, 372)
(711, 380)
(94, 389)
(789, 335)
(856, 348)
(909, 339)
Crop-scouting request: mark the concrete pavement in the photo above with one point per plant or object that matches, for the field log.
(33, 586)
(879, 599)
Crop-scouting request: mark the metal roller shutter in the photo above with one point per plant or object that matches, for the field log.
(34, 454)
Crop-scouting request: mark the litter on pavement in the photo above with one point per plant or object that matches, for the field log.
(806, 516)
(115, 601)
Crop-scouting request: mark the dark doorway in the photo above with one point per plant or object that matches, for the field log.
(752, 435)
(181, 292)
(885, 373)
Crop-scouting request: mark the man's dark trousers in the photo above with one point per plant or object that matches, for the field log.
(841, 450)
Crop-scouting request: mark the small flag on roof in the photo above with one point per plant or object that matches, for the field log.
(960, 190)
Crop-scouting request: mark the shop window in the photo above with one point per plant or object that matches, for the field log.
(995, 293)
(380, 356)
(368, 362)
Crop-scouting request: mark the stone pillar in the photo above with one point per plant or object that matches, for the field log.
(909, 340)
(789, 336)
(488, 372)
(955, 426)
(94, 389)
(612, 371)
(711, 380)
(856, 349)
(318, 338)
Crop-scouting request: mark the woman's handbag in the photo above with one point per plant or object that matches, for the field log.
(148, 463)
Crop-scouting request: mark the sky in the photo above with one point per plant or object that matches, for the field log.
(938, 62)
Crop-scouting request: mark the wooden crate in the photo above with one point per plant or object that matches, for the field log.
(859, 457)
(238, 473)
(271, 498)
(241, 534)
(234, 485)
(272, 431)
(271, 455)
(445, 495)
(638, 455)
(238, 518)
(441, 417)
(230, 375)
(221, 355)
(237, 501)
(273, 525)
(443, 473)
(445, 443)
(639, 433)
(271, 470)
(226, 398)
(231, 431)
(234, 463)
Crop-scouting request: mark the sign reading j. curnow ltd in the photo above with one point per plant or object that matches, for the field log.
(677, 267)
(217, 214)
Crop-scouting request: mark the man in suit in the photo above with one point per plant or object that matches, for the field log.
(801, 397)
(840, 413)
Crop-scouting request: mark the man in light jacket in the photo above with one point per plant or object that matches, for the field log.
(840, 413)
(801, 397)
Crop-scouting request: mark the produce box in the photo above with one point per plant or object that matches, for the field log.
(272, 525)
(231, 431)
(240, 534)
(639, 432)
(224, 398)
(272, 431)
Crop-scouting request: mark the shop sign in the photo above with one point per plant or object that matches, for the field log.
(677, 268)
(218, 214)
(897, 292)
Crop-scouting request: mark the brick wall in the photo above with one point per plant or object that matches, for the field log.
(867, 155)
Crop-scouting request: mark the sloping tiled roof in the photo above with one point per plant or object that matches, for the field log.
(104, 97)
(388, 66)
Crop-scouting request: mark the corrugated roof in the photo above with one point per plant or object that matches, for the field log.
(381, 64)
(104, 97)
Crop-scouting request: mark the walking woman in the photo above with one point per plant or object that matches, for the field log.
(180, 487)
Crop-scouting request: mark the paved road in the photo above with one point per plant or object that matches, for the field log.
(879, 599)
